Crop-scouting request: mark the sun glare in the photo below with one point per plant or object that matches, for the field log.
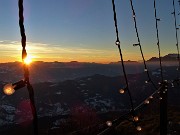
(28, 60)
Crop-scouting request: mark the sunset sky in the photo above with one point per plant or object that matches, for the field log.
(83, 30)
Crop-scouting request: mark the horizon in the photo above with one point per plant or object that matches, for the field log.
(92, 62)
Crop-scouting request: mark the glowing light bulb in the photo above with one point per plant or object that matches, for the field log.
(146, 81)
(160, 98)
(109, 123)
(151, 97)
(146, 101)
(117, 43)
(145, 70)
(9, 89)
(136, 118)
(28, 60)
(122, 91)
(138, 128)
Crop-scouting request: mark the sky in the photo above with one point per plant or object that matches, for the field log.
(83, 30)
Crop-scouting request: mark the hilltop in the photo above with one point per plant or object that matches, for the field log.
(169, 57)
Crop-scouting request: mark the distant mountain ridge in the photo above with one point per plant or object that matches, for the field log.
(168, 57)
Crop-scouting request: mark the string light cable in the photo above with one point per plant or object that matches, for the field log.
(9, 89)
(122, 62)
(140, 47)
(26, 70)
(179, 8)
(162, 85)
(138, 108)
(158, 43)
(177, 40)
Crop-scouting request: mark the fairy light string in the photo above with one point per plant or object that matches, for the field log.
(158, 43)
(177, 40)
(179, 7)
(162, 88)
(140, 47)
(121, 57)
(26, 70)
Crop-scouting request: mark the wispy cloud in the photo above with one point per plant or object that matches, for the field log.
(56, 52)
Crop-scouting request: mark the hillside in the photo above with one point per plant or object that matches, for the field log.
(82, 102)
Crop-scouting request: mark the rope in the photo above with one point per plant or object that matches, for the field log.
(26, 70)
(140, 47)
(157, 35)
(121, 57)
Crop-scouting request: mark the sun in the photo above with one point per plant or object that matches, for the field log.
(28, 60)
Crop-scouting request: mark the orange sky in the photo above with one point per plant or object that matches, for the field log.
(45, 52)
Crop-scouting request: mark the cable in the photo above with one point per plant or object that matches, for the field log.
(121, 57)
(179, 6)
(123, 117)
(177, 42)
(26, 70)
(140, 47)
(157, 35)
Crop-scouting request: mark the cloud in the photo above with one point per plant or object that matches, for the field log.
(50, 51)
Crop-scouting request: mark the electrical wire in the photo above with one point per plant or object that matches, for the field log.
(26, 70)
(140, 47)
(121, 57)
(177, 40)
(157, 35)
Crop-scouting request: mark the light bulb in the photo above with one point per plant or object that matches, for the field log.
(122, 91)
(146, 81)
(146, 101)
(9, 89)
(117, 43)
(138, 128)
(160, 98)
(151, 97)
(109, 123)
(136, 118)
(145, 70)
